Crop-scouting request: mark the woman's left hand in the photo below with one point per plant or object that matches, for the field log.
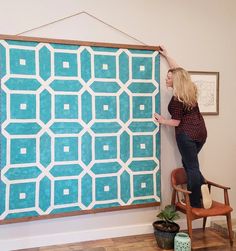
(160, 119)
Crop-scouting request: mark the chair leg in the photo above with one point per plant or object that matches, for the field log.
(204, 223)
(229, 223)
(173, 197)
(189, 225)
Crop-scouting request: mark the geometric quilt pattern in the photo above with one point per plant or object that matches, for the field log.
(77, 130)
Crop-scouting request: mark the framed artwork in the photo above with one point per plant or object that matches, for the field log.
(208, 91)
(77, 129)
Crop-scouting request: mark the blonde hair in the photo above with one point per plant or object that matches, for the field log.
(183, 87)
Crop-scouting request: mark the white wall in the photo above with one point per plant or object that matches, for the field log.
(200, 35)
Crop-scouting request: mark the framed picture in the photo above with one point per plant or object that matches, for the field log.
(208, 91)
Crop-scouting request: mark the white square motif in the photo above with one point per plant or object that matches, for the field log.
(106, 148)
(23, 151)
(66, 191)
(142, 107)
(66, 149)
(66, 106)
(105, 107)
(22, 196)
(142, 146)
(23, 106)
(105, 66)
(66, 64)
(143, 185)
(22, 61)
(106, 188)
(142, 68)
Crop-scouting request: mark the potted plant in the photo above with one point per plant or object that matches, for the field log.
(165, 229)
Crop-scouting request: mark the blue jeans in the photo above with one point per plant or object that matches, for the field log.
(189, 150)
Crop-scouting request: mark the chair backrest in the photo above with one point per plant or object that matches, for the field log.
(178, 177)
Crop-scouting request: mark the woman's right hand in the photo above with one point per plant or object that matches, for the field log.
(160, 119)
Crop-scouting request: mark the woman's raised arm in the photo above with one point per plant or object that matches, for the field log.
(171, 62)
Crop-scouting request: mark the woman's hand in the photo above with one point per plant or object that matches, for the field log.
(160, 119)
(163, 51)
(171, 62)
(169, 122)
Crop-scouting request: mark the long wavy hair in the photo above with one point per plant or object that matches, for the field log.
(183, 87)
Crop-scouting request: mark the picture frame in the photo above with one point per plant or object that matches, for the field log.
(208, 91)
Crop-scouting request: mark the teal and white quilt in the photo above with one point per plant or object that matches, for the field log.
(77, 128)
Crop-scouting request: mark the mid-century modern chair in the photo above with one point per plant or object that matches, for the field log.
(180, 198)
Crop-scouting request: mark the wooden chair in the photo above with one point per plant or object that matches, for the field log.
(180, 198)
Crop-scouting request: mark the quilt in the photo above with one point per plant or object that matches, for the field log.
(77, 128)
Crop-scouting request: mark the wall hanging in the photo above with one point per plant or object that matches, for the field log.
(77, 128)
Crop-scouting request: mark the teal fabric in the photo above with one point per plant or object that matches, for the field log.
(29, 102)
(103, 168)
(23, 173)
(66, 170)
(85, 65)
(66, 85)
(102, 193)
(77, 128)
(70, 59)
(124, 107)
(44, 63)
(61, 198)
(71, 146)
(45, 102)
(124, 67)
(2, 61)
(86, 148)
(45, 155)
(22, 151)
(45, 193)
(29, 191)
(23, 84)
(23, 128)
(22, 62)
(146, 189)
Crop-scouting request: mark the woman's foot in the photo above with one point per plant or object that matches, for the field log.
(206, 197)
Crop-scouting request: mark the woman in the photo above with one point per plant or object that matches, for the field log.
(190, 129)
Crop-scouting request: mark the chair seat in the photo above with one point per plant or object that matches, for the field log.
(217, 208)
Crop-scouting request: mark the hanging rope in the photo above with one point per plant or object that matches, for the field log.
(77, 14)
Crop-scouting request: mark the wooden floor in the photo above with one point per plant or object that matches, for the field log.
(202, 241)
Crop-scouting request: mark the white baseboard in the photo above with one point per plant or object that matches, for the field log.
(79, 236)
